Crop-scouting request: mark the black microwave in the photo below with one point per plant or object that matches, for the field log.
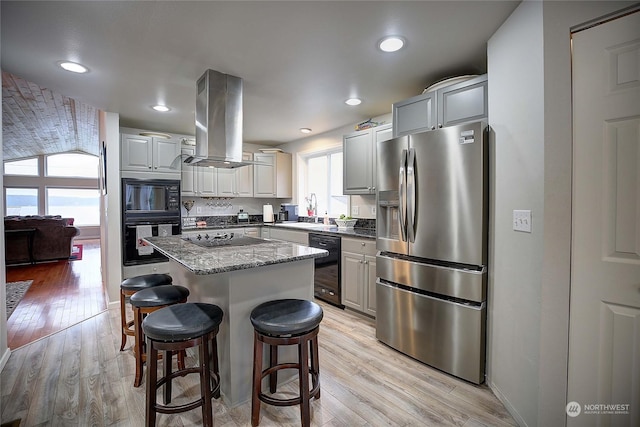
(150, 197)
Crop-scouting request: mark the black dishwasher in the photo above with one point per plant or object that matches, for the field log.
(327, 272)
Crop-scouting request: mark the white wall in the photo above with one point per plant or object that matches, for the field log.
(110, 233)
(516, 114)
(4, 349)
(529, 65)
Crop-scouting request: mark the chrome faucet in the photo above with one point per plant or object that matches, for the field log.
(313, 200)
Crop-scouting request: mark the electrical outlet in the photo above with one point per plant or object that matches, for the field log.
(355, 210)
(373, 210)
(198, 209)
(522, 220)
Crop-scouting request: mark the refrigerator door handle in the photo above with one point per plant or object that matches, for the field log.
(411, 196)
(401, 195)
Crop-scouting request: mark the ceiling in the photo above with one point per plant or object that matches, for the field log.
(299, 61)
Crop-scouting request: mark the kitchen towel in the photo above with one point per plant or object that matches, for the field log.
(143, 247)
(267, 213)
(165, 230)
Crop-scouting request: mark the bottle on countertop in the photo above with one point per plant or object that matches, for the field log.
(326, 218)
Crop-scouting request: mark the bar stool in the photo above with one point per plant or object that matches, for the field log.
(176, 328)
(286, 322)
(129, 287)
(147, 301)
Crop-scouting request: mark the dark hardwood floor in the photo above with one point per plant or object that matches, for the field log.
(62, 294)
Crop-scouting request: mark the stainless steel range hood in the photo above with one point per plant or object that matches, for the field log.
(218, 122)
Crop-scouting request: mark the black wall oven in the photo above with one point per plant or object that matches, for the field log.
(150, 207)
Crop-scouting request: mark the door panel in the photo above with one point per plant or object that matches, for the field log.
(604, 332)
(388, 211)
(451, 194)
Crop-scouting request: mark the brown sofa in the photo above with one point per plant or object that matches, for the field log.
(51, 238)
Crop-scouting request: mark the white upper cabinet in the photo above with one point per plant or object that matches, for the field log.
(360, 157)
(237, 182)
(273, 178)
(448, 106)
(149, 154)
(198, 180)
(189, 180)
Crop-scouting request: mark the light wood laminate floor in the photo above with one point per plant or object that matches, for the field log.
(78, 377)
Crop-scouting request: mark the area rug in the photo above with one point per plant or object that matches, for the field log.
(76, 252)
(15, 292)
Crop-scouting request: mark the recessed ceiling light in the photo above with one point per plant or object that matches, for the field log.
(353, 101)
(161, 108)
(305, 130)
(73, 67)
(391, 44)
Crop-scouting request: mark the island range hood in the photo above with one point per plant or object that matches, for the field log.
(218, 122)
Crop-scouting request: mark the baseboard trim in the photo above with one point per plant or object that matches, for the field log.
(508, 406)
(5, 358)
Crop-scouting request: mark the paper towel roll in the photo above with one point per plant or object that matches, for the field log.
(267, 213)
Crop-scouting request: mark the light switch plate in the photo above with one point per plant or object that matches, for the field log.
(522, 220)
(355, 210)
(199, 209)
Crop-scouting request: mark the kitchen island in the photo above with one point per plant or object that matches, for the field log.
(237, 279)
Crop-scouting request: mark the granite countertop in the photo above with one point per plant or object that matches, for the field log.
(203, 260)
(366, 233)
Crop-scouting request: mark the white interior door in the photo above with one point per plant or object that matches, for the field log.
(604, 342)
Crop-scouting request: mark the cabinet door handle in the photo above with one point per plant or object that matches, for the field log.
(440, 125)
(433, 128)
(149, 166)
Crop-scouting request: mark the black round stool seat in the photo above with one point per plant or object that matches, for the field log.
(182, 322)
(286, 317)
(129, 287)
(145, 302)
(159, 295)
(145, 281)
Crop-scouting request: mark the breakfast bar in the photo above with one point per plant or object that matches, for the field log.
(237, 275)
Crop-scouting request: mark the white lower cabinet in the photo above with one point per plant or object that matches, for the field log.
(252, 232)
(359, 275)
(293, 236)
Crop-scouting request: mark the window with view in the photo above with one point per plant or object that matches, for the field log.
(63, 184)
(21, 201)
(324, 179)
(81, 204)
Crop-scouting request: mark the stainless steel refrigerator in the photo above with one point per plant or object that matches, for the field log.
(432, 221)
